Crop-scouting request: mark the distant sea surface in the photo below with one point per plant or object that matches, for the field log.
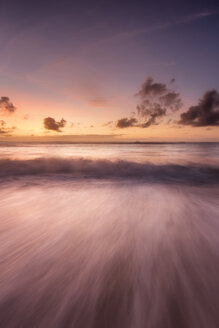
(109, 235)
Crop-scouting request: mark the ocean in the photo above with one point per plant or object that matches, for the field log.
(109, 235)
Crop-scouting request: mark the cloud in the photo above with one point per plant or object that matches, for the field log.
(148, 30)
(150, 88)
(6, 105)
(152, 117)
(98, 101)
(206, 113)
(2, 127)
(126, 122)
(156, 101)
(109, 123)
(4, 130)
(51, 124)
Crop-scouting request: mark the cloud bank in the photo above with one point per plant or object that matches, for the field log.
(158, 100)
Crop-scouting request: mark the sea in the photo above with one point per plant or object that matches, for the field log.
(122, 235)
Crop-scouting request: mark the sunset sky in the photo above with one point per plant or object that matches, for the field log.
(109, 71)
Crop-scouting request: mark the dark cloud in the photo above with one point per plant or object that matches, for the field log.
(4, 130)
(51, 124)
(151, 88)
(126, 122)
(151, 116)
(156, 100)
(6, 105)
(206, 113)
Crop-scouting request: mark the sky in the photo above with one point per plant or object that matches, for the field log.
(109, 70)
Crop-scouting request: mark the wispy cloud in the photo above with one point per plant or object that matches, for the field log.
(4, 130)
(98, 101)
(180, 21)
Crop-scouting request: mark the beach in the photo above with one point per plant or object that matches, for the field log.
(112, 235)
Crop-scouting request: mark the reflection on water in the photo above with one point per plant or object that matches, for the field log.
(108, 253)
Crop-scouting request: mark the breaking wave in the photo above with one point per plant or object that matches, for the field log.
(106, 169)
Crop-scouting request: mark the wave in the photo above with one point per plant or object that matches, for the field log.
(106, 169)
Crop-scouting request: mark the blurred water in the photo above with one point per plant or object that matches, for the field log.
(156, 153)
(91, 252)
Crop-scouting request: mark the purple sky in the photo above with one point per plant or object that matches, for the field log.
(84, 61)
